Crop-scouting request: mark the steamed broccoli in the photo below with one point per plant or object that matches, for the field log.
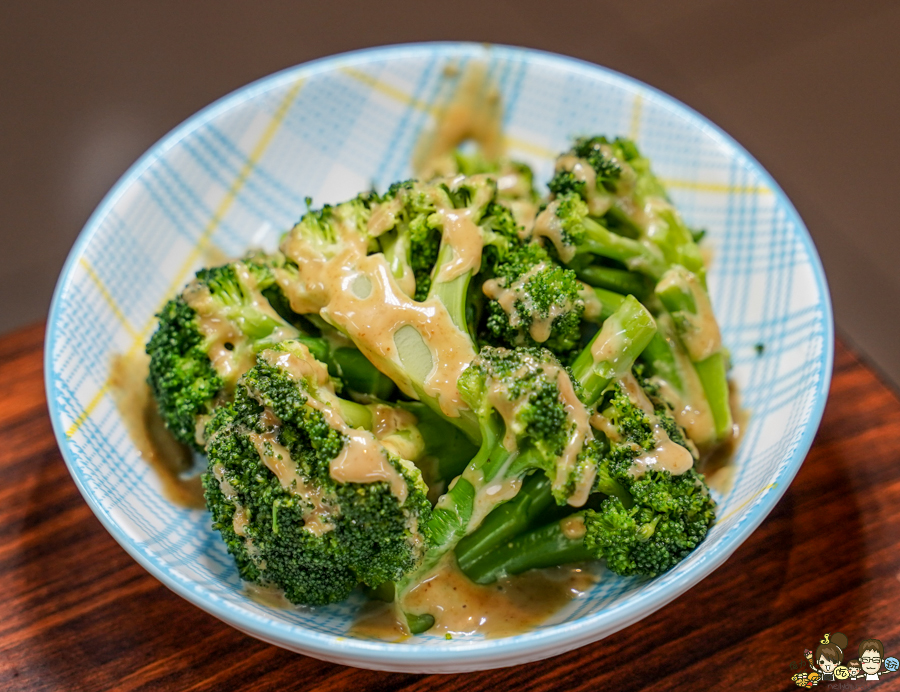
(534, 302)
(471, 228)
(608, 204)
(643, 522)
(623, 195)
(573, 232)
(532, 381)
(304, 498)
(523, 400)
(209, 335)
(515, 182)
(207, 338)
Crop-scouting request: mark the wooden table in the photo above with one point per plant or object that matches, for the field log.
(77, 613)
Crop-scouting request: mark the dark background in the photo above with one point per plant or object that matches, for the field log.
(809, 87)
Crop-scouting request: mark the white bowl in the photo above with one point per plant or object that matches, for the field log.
(236, 174)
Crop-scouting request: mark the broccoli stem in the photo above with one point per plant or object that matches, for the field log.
(624, 335)
(546, 546)
(618, 280)
(451, 293)
(451, 517)
(396, 248)
(533, 505)
(419, 623)
(678, 298)
(358, 373)
(677, 244)
(660, 356)
(635, 255)
(623, 222)
(509, 519)
(444, 442)
(714, 379)
(350, 366)
(610, 301)
(658, 353)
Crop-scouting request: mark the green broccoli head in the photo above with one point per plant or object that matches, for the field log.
(413, 223)
(534, 301)
(207, 337)
(567, 222)
(411, 244)
(303, 500)
(325, 228)
(661, 516)
(604, 157)
(339, 231)
(572, 212)
(565, 182)
(530, 415)
(652, 536)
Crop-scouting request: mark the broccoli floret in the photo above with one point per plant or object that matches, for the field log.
(534, 301)
(207, 338)
(644, 541)
(573, 233)
(346, 277)
(605, 158)
(646, 522)
(553, 446)
(530, 421)
(515, 180)
(288, 495)
(624, 196)
(669, 514)
(414, 225)
(411, 245)
(634, 424)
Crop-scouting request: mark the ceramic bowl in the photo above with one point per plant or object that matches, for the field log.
(236, 175)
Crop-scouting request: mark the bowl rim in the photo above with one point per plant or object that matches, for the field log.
(456, 654)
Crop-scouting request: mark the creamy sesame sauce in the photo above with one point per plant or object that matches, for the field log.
(488, 493)
(316, 512)
(269, 596)
(573, 527)
(547, 225)
(358, 294)
(608, 347)
(499, 397)
(463, 236)
(593, 308)
(396, 430)
(461, 608)
(598, 201)
(473, 111)
(690, 408)
(170, 460)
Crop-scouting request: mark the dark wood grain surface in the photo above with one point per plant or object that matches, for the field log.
(77, 613)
